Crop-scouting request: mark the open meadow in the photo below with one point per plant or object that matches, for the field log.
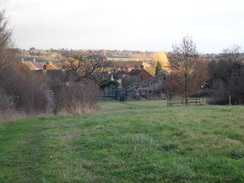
(133, 141)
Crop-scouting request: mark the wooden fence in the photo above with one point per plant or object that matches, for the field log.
(185, 101)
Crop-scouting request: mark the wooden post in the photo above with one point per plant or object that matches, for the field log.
(229, 99)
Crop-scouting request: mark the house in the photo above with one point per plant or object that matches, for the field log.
(126, 65)
(52, 66)
(140, 74)
(117, 74)
(53, 78)
(33, 65)
(128, 77)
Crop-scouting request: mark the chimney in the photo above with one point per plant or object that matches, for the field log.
(44, 69)
(63, 69)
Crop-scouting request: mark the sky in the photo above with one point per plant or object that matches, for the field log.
(145, 25)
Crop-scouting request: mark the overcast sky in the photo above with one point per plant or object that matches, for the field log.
(129, 24)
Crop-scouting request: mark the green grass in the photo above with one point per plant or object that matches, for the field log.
(134, 141)
(121, 59)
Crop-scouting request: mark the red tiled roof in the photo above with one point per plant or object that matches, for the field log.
(33, 65)
(51, 66)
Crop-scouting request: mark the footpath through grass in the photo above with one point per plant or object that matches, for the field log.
(140, 141)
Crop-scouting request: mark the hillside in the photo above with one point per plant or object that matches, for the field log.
(41, 55)
(136, 141)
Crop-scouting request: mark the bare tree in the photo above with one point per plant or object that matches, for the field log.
(21, 89)
(227, 78)
(6, 42)
(87, 67)
(233, 54)
(6, 64)
(5, 32)
(186, 76)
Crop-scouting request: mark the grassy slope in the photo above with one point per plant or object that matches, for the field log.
(127, 142)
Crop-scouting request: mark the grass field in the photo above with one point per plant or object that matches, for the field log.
(140, 141)
(121, 59)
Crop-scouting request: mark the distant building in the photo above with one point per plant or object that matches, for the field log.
(52, 66)
(126, 65)
(33, 65)
(54, 78)
(140, 74)
(137, 74)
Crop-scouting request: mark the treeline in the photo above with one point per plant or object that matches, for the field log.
(192, 75)
(226, 77)
(41, 55)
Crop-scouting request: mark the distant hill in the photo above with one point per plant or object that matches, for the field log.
(40, 55)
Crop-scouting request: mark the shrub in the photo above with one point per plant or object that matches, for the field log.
(78, 98)
(6, 102)
(20, 90)
(26, 90)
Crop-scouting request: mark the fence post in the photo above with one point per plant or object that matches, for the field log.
(229, 99)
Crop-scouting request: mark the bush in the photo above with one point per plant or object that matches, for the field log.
(6, 102)
(78, 98)
(226, 79)
(20, 90)
(127, 80)
(108, 83)
(201, 93)
(26, 90)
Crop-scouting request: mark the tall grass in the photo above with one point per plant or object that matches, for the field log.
(76, 99)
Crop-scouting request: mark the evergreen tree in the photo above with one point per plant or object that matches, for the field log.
(158, 67)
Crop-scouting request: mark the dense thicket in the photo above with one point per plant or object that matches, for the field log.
(22, 90)
(78, 98)
(226, 80)
(25, 92)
